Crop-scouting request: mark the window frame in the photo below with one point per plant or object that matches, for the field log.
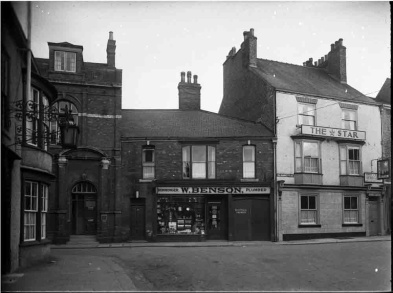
(343, 120)
(302, 157)
(317, 210)
(44, 209)
(304, 114)
(60, 61)
(253, 162)
(148, 164)
(209, 162)
(358, 209)
(347, 161)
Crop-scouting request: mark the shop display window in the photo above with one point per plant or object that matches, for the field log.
(180, 215)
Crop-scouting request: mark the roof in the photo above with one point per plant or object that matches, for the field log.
(308, 81)
(186, 124)
(384, 95)
(66, 44)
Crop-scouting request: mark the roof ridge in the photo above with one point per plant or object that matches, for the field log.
(292, 64)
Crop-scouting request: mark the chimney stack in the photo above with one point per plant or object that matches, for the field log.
(337, 63)
(249, 48)
(111, 51)
(189, 92)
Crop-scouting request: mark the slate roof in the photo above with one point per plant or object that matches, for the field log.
(186, 124)
(65, 44)
(307, 80)
(385, 94)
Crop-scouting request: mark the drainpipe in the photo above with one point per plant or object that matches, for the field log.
(28, 56)
(275, 194)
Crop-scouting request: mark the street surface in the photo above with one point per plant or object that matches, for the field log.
(356, 266)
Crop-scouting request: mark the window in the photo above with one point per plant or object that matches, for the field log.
(308, 209)
(65, 61)
(35, 209)
(306, 114)
(199, 162)
(54, 126)
(44, 210)
(350, 160)
(249, 161)
(30, 210)
(348, 119)
(351, 209)
(5, 85)
(307, 157)
(148, 162)
(32, 117)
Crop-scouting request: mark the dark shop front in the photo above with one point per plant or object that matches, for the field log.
(201, 213)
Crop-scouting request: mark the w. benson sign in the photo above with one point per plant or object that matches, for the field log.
(213, 190)
(337, 133)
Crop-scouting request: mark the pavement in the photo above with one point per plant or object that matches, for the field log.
(212, 243)
(83, 272)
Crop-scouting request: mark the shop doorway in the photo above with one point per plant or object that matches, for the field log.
(251, 219)
(216, 220)
(84, 209)
(138, 219)
(374, 216)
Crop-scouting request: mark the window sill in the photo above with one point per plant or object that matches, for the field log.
(146, 180)
(249, 180)
(309, 226)
(35, 242)
(352, 225)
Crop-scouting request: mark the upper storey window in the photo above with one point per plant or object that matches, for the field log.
(65, 61)
(249, 161)
(306, 114)
(199, 162)
(348, 119)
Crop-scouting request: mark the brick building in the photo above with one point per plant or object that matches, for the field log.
(26, 166)
(190, 175)
(384, 97)
(87, 177)
(328, 136)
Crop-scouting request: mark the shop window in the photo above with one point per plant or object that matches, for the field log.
(199, 162)
(351, 209)
(62, 107)
(348, 119)
(34, 216)
(307, 157)
(65, 61)
(306, 114)
(249, 161)
(350, 162)
(308, 209)
(148, 162)
(181, 215)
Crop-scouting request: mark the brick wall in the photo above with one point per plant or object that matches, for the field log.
(246, 95)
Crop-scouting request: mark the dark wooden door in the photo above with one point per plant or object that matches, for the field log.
(90, 215)
(251, 219)
(373, 215)
(216, 220)
(137, 222)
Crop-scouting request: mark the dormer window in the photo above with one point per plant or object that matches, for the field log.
(65, 61)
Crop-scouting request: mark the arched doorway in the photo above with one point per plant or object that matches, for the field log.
(84, 209)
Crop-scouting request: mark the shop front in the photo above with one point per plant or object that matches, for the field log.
(209, 213)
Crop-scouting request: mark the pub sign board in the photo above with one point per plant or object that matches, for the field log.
(371, 178)
(383, 169)
(333, 133)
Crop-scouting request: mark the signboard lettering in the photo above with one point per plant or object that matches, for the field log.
(213, 190)
(371, 178)
(333, 132)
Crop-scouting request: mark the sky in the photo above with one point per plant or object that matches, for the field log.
(157, 40)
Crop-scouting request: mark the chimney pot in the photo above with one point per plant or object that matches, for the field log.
(322, 59)
(182, 76)
(304, 63)
(189, 76)
(319, 62)
(315, 63)
(110, 35)
(310, 60)
(326, 57)
(195, 79)
(251, 31)
(340, 41)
